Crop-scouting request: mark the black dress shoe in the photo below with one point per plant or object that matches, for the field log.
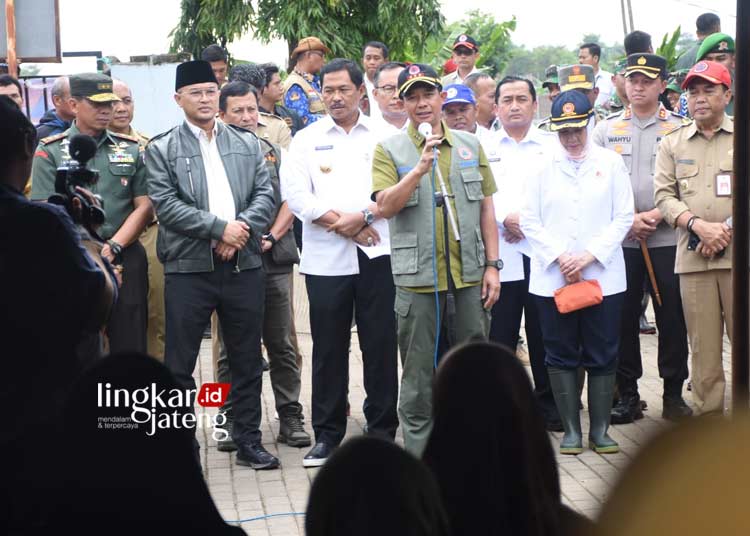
(317, 455)
(256, 456)
(675, 409)
(627, 410)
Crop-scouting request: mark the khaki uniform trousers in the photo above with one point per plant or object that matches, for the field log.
(707, 305)
(155, 332)
(415, 314)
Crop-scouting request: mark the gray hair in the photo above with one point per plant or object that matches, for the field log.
(60, 86)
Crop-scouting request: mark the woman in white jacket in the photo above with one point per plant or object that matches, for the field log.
(578, 210)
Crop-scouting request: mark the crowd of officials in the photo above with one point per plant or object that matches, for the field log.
(432, 213)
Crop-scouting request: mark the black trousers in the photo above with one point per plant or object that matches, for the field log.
(128, 324)
(238, 298)
(370, 296)
(506, 322)
(588, 338)
(673, 345)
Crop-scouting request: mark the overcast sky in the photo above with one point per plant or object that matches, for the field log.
(141, 26)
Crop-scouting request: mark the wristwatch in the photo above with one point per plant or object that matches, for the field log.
(270, 238)
(369, 216)
(115, 248)
(495, 264)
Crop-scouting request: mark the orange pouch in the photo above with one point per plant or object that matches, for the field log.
(578, 296)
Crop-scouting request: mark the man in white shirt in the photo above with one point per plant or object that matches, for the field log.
(374, 54)
(346, 261)
(516, 152)
(590, 54)
(465, 54)
(394, 118)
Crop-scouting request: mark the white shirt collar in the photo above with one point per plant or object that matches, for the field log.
(362, 121)
(532, 136)
(198, 131)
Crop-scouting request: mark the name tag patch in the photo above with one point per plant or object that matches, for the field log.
(723, 185)
(468, 164)
(323, 147)
(403, 170)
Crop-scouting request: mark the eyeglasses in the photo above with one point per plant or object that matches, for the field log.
(344, 90)
(388, 91)
(198, 93)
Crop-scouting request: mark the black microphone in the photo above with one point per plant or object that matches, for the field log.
(82, 148)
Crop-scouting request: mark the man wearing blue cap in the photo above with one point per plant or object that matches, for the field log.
(214, 199)
(460, 110)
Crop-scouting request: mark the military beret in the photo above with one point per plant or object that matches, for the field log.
(718, 42)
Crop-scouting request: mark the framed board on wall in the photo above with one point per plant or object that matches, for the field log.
(37, 31)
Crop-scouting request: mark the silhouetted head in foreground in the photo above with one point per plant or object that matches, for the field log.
(489, 448)
(120, 478)
(371, 487)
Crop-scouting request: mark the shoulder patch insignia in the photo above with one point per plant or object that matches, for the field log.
(56, 137)
(124, 136)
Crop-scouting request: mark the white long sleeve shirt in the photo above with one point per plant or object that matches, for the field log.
(569, 210)
(328, 169)
(513, 163)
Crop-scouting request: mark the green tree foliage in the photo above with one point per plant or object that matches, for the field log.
(494, 40)
(669, 49)
(345, 25)
(532, 63)
(204, 22)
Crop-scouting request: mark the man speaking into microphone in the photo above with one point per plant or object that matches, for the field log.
(409, 168)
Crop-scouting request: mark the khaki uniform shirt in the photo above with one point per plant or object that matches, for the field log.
(274, 129)
(637, 140)
(691, 174)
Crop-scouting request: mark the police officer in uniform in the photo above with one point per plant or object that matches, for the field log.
(403, 189)
(122, 186)
(693, 190)
(635, 133)
(302, 86)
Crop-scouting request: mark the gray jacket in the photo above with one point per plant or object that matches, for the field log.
(177, 186)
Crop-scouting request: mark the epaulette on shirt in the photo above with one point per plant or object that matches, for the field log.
(56, 137)
(685, 122)
(125, 137)
(618, 113)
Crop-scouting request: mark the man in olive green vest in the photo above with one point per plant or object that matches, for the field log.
(302, 86)
(403, 186)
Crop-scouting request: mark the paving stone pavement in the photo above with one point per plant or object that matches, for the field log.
(242, 494)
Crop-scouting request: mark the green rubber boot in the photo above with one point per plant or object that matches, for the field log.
(600, 406)
(564, 385)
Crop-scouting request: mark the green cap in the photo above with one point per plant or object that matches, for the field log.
(576, 77)
(93, 86)
(718, 42)
(620, 66)
(674, 85)
(550, 76)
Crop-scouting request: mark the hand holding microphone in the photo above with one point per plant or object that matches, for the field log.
(430, 151)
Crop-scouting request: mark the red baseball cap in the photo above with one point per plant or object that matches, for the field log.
(710, 71)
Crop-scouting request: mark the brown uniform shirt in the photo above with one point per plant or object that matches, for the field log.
(691, 174)
(274, 129)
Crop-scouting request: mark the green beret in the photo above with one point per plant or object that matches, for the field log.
(718, 42)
